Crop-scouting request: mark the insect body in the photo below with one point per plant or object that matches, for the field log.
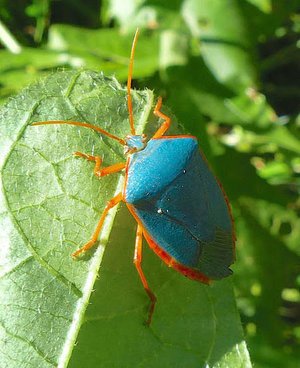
(177, 201)
(178, 204)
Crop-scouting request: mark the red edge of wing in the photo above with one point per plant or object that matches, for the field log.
(170, 261)
(175, 136)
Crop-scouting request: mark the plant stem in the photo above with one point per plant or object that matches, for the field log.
(8, 40)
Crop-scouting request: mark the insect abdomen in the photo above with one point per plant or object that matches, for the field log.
(190, 220)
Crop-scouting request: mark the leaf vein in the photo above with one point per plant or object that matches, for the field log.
(214, 319)
(20, 133)
(39, 259)
(28, 342)
(16, 267)
(39, 311)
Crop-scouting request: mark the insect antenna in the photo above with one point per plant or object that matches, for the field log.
(130, 69)
(86, 125)
(129, 104)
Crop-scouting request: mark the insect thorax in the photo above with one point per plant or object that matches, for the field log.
(134, 143)
(157, 165)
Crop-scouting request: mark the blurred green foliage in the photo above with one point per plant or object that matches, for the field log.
(229, 70)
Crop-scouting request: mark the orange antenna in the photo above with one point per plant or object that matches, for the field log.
(129, 102)
(86, 125)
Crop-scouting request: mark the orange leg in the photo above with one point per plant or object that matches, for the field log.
(166, 123)
(138, 264)
(110, 204)
(98, 161)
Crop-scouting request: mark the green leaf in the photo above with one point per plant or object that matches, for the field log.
(264, 5)
(74, 47)
(267, 225)
(224, 40)
(193, 324)
(105, 49)
(263, 277)
(144, 14)
(50, 203)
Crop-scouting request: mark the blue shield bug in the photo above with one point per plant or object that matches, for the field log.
(180, 208)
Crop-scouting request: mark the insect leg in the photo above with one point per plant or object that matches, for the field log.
(98, 161)
(166, 123)
(138, 264)
(110, 204)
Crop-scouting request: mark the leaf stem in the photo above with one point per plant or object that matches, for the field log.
(8, 40)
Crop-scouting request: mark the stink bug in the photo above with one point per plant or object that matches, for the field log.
(180, 208)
